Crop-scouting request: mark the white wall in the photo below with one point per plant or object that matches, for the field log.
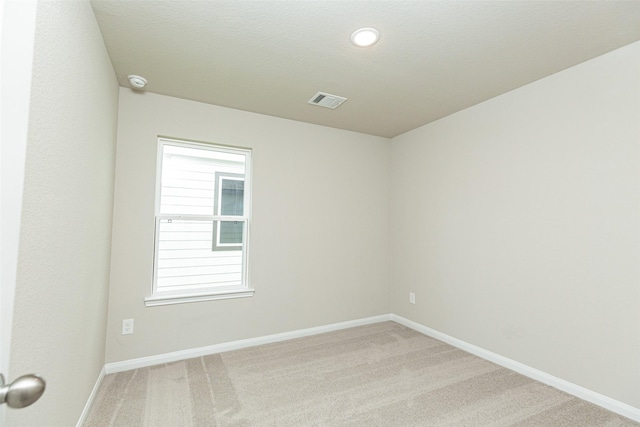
(320, 241)
(18, 27)
(517, 224)
(63, 260)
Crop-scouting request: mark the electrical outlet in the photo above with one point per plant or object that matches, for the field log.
(412, 298)
(127, 326)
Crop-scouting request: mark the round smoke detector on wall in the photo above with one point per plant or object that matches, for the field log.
(137, 82)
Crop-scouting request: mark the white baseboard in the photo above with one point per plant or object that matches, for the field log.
(590, 396)
(142, 362)
(91, 398)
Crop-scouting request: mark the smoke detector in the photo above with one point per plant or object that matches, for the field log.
(327, 100)
(137, 82)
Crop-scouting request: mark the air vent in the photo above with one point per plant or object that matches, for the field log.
(322, 99)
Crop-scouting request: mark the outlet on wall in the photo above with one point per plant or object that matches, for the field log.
(127, 326)
(412, 298)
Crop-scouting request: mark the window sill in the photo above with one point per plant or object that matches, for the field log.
(156, 300)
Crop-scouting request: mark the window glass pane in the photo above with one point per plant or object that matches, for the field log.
(232, 196)
(230, 233)
(186, 259)
(188, 181)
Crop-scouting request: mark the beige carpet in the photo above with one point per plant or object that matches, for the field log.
(377, 375)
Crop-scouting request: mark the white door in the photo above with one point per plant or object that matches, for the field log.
(17, 29)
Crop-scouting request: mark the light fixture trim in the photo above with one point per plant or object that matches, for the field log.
(365, 37)
(137, 82)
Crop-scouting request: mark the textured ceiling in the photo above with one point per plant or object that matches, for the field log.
(433, 58)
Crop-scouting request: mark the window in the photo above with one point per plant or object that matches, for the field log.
(202, 223)
(229, 201)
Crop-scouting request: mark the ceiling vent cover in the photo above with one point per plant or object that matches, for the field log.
(327, 100)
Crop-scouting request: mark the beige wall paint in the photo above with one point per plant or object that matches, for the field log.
(63, 261)
(320, 241)
(517, 224)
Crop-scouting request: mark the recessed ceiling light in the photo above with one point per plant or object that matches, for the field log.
(136, 81)
(365, 37)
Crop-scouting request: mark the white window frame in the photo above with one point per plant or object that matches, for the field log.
(202, 293)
